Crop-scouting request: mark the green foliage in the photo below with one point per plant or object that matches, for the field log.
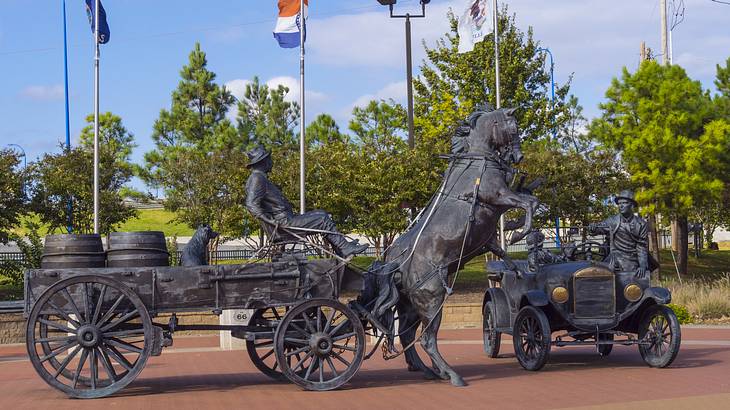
(198, 158)
(69, 175)
(660, 121)
(264, 117)
(12, 197)
(323, 130)
(172, 250)
(12, 272)
(682, 313)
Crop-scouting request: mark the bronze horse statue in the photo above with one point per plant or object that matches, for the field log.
(458, 224)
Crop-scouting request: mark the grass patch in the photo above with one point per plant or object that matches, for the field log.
(156, 220)
(704, 299)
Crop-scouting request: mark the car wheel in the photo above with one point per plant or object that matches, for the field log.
(531, 338)
(659, 336)
(492, 338)
(605, 350)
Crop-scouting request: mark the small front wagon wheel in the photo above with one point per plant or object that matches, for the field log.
(531, 338)
(320, 344)
(659, 336)
(89, 336)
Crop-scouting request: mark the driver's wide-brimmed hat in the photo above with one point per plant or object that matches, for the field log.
(628, 195)
(257, 155)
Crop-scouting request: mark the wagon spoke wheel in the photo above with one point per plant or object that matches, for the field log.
(88, 336)
(659, 336)
(261, 350)
(329, 340)
(492, 338)
(531, 338)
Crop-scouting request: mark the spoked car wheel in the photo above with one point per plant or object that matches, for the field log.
(89, 336)
(330, 340)
(531, 338)
(492, 338)
(659, 335)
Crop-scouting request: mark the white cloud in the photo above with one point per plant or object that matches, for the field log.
(396, 91)
(237, 87)
(42, 92)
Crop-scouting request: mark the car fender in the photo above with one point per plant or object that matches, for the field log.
(661, 295)
(537, 297)
(501, 305)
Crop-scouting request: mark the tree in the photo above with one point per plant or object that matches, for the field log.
(12, 193)
(661, 122)
(199, 157)
(265, 117)
(323, 130)
(452, 84)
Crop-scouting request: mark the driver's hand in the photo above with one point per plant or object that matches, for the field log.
(641, 273)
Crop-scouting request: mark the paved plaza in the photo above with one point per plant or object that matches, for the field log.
(196, 374)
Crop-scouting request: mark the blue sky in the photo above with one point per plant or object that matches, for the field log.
(355, 53)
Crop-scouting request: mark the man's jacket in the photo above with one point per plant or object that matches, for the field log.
(264, 199)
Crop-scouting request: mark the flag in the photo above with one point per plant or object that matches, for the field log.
(288, 24)
(474, 24)
(103, 25)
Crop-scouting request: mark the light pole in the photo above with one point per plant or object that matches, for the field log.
(555, 132)
(25, 162)
(409, 63)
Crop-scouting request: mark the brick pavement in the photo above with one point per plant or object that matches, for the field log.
(195, 374)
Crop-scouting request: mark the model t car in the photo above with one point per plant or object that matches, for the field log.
(580, 301)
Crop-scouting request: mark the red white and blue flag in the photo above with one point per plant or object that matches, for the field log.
(289, 23)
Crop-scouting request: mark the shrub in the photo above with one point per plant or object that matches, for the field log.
(682, 313)
(704, 299)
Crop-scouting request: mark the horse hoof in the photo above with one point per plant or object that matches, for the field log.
(430, 375)
(457, 381)
(412, 368)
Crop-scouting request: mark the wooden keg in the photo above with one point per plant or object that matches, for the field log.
(73, 251)
(137, 250)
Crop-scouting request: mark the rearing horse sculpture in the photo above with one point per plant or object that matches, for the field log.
(455, 227)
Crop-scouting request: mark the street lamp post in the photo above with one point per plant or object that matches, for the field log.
(25, 162)
(555, 132)
(409, 63)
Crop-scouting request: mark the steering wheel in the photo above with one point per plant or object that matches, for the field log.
(585, 251)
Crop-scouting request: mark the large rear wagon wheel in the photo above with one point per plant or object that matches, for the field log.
(492, 338)
(89, 336)
(330, 339)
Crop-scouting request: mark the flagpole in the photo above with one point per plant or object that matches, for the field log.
(502, 239)
(69, 206)
(96, 117)
(302, 207)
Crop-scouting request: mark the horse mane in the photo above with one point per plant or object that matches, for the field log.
(460, 140)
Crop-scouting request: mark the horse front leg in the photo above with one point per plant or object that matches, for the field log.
(527, 202)
(407, 327)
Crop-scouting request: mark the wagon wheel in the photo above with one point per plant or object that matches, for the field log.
(329, 336)
(492, 338)
(660, 336)
(261, 350)
(531, 338)
(89, 336)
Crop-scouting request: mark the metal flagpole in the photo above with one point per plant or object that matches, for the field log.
(96, 118)
(69, 206)
(502, 240)
(302, 207)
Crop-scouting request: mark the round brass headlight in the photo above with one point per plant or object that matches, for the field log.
(560, 295)
(632, 292)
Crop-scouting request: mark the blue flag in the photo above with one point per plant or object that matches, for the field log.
(103, 25)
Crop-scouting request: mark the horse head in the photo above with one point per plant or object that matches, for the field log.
(488, 132)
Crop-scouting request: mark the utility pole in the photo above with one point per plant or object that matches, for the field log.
(665, 41)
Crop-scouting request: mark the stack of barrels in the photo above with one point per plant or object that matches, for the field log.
(126, 250)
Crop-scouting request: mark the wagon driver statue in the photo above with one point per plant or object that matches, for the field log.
(266, 202)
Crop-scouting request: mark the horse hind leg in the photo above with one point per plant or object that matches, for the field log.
(429, 344)
(407, 326)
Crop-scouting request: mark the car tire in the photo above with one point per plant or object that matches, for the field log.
(605, 350)
(531, 336)
(492, 338)
(660, 328)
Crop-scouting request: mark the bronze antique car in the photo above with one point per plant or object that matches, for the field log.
(582, 301)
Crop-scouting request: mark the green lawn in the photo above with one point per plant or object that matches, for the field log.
(148, 220)
(156, 220)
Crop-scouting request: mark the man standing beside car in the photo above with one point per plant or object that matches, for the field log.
(628, 237)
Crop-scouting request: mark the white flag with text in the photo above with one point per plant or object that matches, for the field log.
(474, 24)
